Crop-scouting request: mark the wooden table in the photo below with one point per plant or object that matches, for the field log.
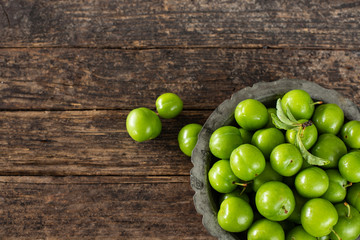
(70, 72)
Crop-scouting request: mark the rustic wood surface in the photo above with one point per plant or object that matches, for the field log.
(70, 72)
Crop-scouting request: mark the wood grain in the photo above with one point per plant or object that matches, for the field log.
(89, 143)
(98, 208)
(70, 79)
(312, 24)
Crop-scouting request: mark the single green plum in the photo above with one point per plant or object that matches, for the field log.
(251, 114)
(169, 105)
(298, 233)
(187, 138)
(350, 134)
(299, 103)
(267, 139)
(353, 196)
(265, 229)
(328, 118)
(336, 191)
(286, 159)
(349, 166)
(224, 140)
(311, 182)
(348, 225)
(221, 177)
(143, 124)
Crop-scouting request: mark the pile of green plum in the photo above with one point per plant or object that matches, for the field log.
(290, 171)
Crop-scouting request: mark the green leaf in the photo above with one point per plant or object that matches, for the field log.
(290, 115)
(279, 124)
(311, 159)
(281, 114)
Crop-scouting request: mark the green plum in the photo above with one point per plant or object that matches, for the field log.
(267, 139)
(350, 134)
(348, 225)
(353, 196)
(275, 201)
(251, 114)
(269, 174)
(311, 182)
(318, 216)
(247, 162)
(328, 118)
(224, 140)
(286, 159)
(169, 105)
(329, 147)
(299, 103)
(143, 124)
(337, 186)
(245, 135)
(235, 215)
(308, 137)
(236, 193)
(298, 233)
(187, 138)
(349, 166)
(270, 124)
(265, 229)
(221, 178)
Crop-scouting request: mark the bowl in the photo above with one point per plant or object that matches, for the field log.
(205, 198)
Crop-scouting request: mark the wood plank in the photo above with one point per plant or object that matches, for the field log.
(61, 79)
(186, 23)
(63, 143)
(98, 208)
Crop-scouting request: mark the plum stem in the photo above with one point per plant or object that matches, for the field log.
(349, 209)
(337, 235)
(348, 185)
(317, 103)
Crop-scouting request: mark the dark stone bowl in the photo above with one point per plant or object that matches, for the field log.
(205, 199)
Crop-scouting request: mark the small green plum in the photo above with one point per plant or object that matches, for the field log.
(275, 201)
(187, 138)
(318, 216)
(299, 103)
(265, 229)
(348, 225)
(251, 114)
(329, 147)
(350, 134)
(224, 140)
(169, 105)
(311, 182)
(247, 162)
(267, 139)
(221, 178)
(349, 166)
(235, 215)
(143, 124)
(328, 118)
(336, 191)
(286, 159)
(353, 196)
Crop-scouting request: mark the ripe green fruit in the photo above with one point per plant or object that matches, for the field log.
(143, 124)
(235, 215)
(267, 139)
(308, 137)
(337, 186)
(353, 196)
(221, 178)
(328, 118)
(224, 140)
(269, 174)
(298, 233)
(318, 216)
(188, 137)
(311, 182)
(251, 114)
(299, 102)
(350, 134)
(247, 162)
(348, 225)
(265, 229)
(169, 105)
(329, 147)
(286, 159)
(349, 166)
(275, 201)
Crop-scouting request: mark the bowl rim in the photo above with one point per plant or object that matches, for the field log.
(224, 114)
